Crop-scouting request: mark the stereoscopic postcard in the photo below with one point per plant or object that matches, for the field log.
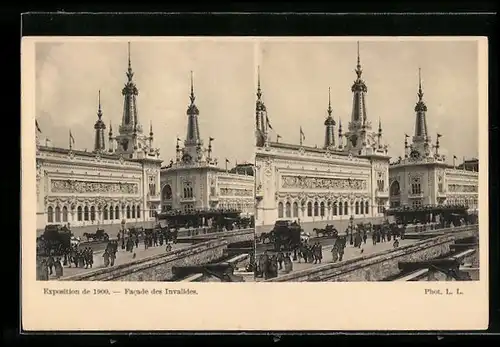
(175, 183)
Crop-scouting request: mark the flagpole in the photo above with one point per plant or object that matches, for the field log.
(70, 145)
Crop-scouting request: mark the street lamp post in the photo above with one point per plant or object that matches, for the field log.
(351, 227)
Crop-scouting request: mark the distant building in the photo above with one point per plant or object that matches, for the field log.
(470, 165)
(102, 186)
(423, 177)
(196, 181)
(327, 184)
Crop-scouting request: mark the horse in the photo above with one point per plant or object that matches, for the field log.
(266, 236)
(304, 253)
(89, 236)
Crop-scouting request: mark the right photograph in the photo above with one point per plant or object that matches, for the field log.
(367, 160)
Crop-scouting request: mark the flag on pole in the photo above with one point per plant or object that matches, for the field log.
(71, 140)
(302, 136)
(406, 136)
(278, 137)
(211, 139)
(37, 126)
(439, 135)
(227, 161)
(268, 123)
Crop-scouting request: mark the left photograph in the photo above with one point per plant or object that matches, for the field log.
(145, 160)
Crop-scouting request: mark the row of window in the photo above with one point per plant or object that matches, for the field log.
(57, 215)
(318, 209)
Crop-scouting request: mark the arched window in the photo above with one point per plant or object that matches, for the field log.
(65, 214)
(86, 213)
(395, 190)
(295, 209)
(138, 211)
(166, 193)
(341, 209)
(280, 210)
(79, 213)
(356, 207)
(334, 208)
(50, 214)
(322, 209)
(58, 214)
(128, 212)
(316, 208)
(309, 209)
(117, 212)
(367, 207)
(92, 213)
(346, 208)
(105, 213)
(288, 210)
(133, 211)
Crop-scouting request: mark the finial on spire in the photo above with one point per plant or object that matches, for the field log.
(379, 126)
(192, 97)
(259, 92)
(110, 129)
(99, 109)
(130, 73)
(151, 128)
(358, 66)
(329, 102)
(420, 92)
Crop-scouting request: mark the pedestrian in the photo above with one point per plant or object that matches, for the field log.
(58, 268)
(106, 258)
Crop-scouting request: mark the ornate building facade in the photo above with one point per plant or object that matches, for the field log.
(196, 181)
(423, 177)
(328, 184)
(103, 186)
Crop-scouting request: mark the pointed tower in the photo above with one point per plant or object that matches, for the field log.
(130, 138)
(100, 127)
(359, 126)
(341, 136)
(193, 144)
(329, 125)
(261, 124)
(420, 147)
(193, 131)
(111, 139)
(150, 135)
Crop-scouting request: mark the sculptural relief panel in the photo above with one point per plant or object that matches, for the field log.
(82, 187)
(305, 182)
(236, 192)
(462, 188)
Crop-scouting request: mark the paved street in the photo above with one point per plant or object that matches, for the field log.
(350, 252)
(122, 257)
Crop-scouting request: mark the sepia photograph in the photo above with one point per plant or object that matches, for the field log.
(138, 177)
(157, 170)
(372, 172)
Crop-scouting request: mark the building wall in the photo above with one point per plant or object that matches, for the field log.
(438, 185)
(462, 187)
(295, 181)
(69, 183)
(211, 188)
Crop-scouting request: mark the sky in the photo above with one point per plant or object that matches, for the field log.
(70, 74)
(295, 77)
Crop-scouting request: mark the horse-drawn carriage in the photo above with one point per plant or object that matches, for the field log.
(99, 235)
(328, 231)
(286, 235)
(56, 241)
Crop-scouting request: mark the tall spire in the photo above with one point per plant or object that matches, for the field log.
(358, 115)
(329, 124)
(259, 92)
(193, 130)
(130, 122)
(261, 120)
(99, 127)
(420, 109)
